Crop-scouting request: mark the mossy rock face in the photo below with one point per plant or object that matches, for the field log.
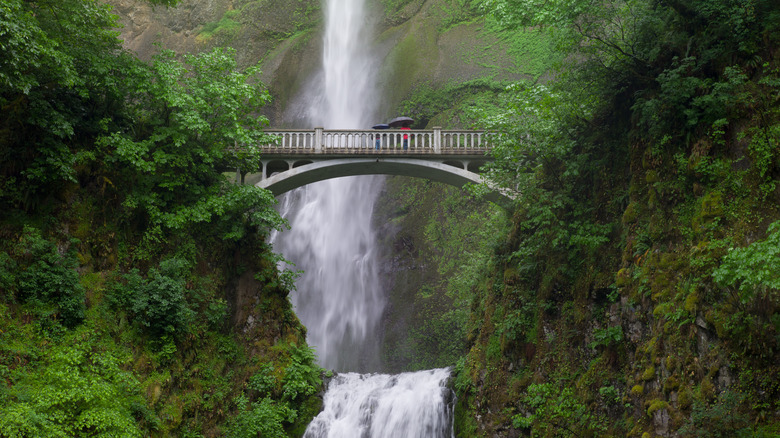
(424, 41)
(685, 399)
(671, 384)
(710, 209)
(397, 12)
(707, 390)
(648, 373)
(623, 277)
(671, 361)
(691, 302)
(630, 214)
(712, 205)
(651, 177)
(419, 52)
(656, 405)
(274, 32)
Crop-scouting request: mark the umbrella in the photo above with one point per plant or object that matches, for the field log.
(381, 126)
(400, 121)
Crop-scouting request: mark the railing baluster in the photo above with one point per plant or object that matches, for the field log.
(435, 141)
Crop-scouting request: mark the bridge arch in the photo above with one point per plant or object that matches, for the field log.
(295, 177)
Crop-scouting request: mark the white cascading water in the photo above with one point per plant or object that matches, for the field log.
(339, 297)
(408, 405)
(331, 239)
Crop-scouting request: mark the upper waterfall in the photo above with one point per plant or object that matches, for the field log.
(338, 298)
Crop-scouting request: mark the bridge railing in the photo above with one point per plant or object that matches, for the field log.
(319, 140)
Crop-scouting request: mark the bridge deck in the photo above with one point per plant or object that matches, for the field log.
(320, 142)
(368, 153)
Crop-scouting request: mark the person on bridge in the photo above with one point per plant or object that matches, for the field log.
(378, 135)
(406, 136)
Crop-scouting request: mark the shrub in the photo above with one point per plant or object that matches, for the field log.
(44, 278)
(302, 375)
(264, 380)
(556, 411)
(720, 419)
(79, 389)
(752, 270)
(607, 337)
(158, 302)
(264, 418)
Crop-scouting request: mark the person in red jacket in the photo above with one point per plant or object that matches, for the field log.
(406, 136)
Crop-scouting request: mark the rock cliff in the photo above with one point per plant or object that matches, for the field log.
(431, 42)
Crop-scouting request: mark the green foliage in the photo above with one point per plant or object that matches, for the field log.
(93, 139)
(65, 77)
(610, 394)
(272, 412)
(752, 271)
(225, 25)
(660, 124)
(607, 337)
(686, 101)
(550, 171)
(194, 120)
(454, 12)
(520, 324)
(264, 381)
(264, 418)
(302, 375)
(556, 412)
(764, 136)
(79, 389)
(462, 382)
(532, 50)
(43, 278)
(720, 419)
(272, 277)
(158, 303)
(749, 317)
(217, 314)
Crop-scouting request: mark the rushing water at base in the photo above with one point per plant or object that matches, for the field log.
(339, 297)
(408, 405)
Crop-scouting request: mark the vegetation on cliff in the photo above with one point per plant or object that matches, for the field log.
(637, 293)
(138, 295)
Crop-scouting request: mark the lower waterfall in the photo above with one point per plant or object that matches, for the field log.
(407, 405)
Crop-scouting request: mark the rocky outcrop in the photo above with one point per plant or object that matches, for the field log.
(422, 42)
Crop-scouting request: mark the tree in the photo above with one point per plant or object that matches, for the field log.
(76, 108)
(58, 77)
(192, 119)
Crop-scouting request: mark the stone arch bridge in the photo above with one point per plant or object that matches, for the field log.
(300, 157)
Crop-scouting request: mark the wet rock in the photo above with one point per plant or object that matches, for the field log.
(661, 420)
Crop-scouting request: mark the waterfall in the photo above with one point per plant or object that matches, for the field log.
(409, 405)
(331, 239)
(339, 297)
